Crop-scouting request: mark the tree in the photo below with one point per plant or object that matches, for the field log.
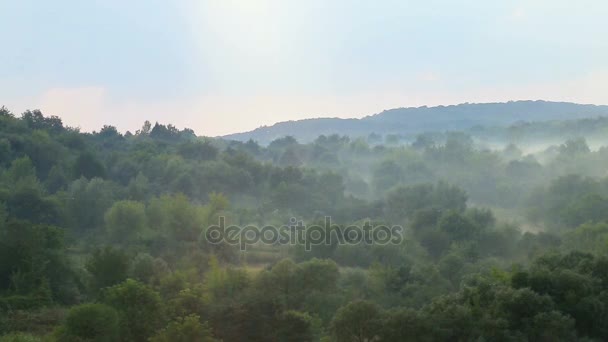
(224, 282)
(552, 326)
(87, 202)
(283, 143)
(387, 175)
(197, 150)
(435, 241)
(283, 281)
(458, 227)
(452, 320)
(139, 308)
(90, 322)
(405, 325)
(185, 329)
(520, 306)
(126, 221)
(148, 270)
(145, 128)
(88, 166)
(592, 237)
(295, 326)
(27, 202)
(4, 112)
(318, 275)
(22, 170)
(449, 197)
(193, 300)
(43, 151)
(107, 266)
(357, 322)
(404, 201)
(450, 267)
(423, 142)
(574, 147)
(176, 217)
(482, 217)
(588, 208)
(56, 180)
(35, 120)
(139, 187)
(33, 261)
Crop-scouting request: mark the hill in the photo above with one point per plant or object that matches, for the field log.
(411, 121)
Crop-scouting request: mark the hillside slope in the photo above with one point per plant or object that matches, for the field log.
(409, 121)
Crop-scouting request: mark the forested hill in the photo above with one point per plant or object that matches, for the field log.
(106, 236)
(411, 121)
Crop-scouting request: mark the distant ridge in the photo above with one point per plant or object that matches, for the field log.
(413, 120)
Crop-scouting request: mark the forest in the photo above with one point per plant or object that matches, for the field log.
(102, 235)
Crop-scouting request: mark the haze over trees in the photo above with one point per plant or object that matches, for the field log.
(409, 122)
(100, 233)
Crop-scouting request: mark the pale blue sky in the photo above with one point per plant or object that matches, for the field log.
(222, 66)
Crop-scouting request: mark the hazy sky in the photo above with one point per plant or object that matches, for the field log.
(222, 66)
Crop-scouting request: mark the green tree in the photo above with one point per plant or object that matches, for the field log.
(283, 281)
(295, 326)
(318, 275)
(148, 270)
(87, 201)
(176, 217)
(108, 266)
(552, 326)
(21, 169)
(87, 165)
(184, 329)
(27, 202)
(33, 260)
(90, 322)
(405, 325)
(126, 221)
(197, 150)
(358, 321)
(139, 308)
(458, 227)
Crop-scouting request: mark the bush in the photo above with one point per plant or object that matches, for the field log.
(90, 322)
(19, 337)
(19, 302)
(37, 322)
(185, 329)
(139, 308)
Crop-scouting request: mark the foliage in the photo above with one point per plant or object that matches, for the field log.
(139, 308)
(90, 322)
(502, 240)
(185, 329)
(107, 266)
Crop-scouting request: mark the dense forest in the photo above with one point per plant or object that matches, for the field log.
(102, 235)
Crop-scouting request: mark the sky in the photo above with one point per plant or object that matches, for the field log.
(226, 66)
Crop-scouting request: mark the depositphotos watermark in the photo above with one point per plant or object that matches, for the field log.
(297, 233)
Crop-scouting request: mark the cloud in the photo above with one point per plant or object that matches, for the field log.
(518, 13)
(429, 76)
